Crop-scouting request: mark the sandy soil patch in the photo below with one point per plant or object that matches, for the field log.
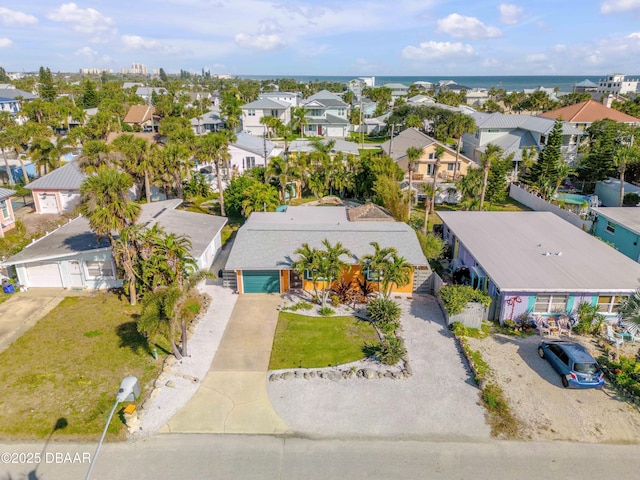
(546, 409)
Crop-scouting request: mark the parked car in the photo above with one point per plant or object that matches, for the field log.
(576, 366)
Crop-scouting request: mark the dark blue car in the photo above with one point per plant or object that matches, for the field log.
(576, 366)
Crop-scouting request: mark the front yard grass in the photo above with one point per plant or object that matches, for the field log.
(315, 342)
(68, 368)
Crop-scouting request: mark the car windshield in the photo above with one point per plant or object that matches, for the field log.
(585, 367)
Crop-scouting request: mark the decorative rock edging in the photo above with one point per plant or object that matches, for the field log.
(463, 346)
(628, 393)
(366, 369)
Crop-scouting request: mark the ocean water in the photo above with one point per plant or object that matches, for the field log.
(510, 83)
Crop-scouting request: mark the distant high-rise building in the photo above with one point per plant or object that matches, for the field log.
(136, 69)
(95, 71)
(617, 84)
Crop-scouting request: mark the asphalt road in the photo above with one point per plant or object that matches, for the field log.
(264, 457)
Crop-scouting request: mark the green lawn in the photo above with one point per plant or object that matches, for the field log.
(314, 342)
(69, 366)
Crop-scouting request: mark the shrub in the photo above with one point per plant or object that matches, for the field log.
(456, 297)
(344, 291)
(335, 301)
(304, 306)
(391, 350)
(383, 310)
(326, 311)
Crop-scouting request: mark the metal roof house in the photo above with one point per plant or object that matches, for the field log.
(7, 217)
(263, 251)
(537, 263)
(254, 111)
(621, 227)
(72, 257)
(249, 151)
(59, 190)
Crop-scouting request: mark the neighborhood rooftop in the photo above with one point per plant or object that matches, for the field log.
(276, 235)
(628, 217)
(68, 176)
(541, 252)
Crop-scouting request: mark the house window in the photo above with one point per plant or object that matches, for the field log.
(307, 276)
(4, 208)
(251, 162)
(251, 112)
(432, 155)
(275, 113)
(451, 167)
(611, 227)
(315, 112)
(341, 112)
(373, 275)
(99, 269)
(610, 303)
(543, 139)
(550, 303)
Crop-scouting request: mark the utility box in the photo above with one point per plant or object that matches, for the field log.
(129, 389)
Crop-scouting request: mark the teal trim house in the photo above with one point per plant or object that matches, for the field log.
(536, 263)
(619, 226)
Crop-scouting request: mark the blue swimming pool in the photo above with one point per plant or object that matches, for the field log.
(573, 198)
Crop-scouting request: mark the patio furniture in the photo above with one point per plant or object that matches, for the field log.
(553, 327)
(614, 337)
(543, 328)
(633, 330)
(564, 326)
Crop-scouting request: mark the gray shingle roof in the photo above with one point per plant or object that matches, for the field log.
(266, 103)
(327, 120)
(253, 144)
(339, 146)
(67, 177)
(511, 247)
(326, 98)
(410, 137)
(513, 142)
(76, 236)
(628, 217)
(14, 93)
(267, 241)
(526, 122)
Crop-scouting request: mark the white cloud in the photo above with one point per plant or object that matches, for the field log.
(13, 18)
(459, 26)
(5, 42)
(536, 58)
(634, 35)
(260, 42)
(615, 6)
(437, 51)
(136, 42)
(84, 20)
(510, 14)
(490, 62)
(86, 52)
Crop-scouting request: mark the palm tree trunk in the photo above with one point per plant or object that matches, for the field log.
(133, 296)
(427, 207)
(6, 163)
(184, 338)
(175, 351)
(410, 199)
(220, 195)
(24, 169)
(147, 186)
(455, 167)
(436, 167)
(484, 184)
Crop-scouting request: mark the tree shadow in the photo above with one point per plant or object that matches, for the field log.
(131, 338)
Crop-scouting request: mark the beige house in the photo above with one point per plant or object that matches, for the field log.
(424, 167)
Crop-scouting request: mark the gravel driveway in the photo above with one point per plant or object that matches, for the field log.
(547, 410)
(440, 400)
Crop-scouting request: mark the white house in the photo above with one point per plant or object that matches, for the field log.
(617, 84)
(326, 115)
(59, 190)
(292, 99)
(249, 151)
(207, 122)
(72, 257)
(253, 112)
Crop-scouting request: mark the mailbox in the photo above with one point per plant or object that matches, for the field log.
(129, 390)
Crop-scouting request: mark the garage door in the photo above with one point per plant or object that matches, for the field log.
(44, 275)
(261, 281)
(48, 203)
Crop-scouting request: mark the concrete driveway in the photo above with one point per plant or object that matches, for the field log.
(23, 310)
(233, 396)
(440, 400)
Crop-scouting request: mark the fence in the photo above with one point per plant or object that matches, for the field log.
(540, 205)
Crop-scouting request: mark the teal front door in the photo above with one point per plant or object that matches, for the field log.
(261, 281)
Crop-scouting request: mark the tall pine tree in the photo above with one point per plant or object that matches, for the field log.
(543, 175)
(46, 88)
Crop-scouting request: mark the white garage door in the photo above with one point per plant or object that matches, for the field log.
(44, 275)
(48, 203)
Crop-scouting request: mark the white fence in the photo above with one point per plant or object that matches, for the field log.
(540, 205)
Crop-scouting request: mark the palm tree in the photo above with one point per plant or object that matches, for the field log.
(492, 153)
(214, 147)
(104, 200)
(138, 159)
(331, 266)
(413, 154)
(397, 272)
(281, 170)
(460, 124)
(375, 263)
(47, 153)
(436, 166)
(175, 164)
(299, 118)
(6, 120)
(308, 265)
(272, 124)
(95, 153)
(125, 252)
(428, 195)
(624, 156)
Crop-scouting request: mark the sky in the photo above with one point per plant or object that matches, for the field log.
(325, 37)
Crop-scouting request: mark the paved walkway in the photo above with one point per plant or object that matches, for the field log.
(23, 310)
(233, 396)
